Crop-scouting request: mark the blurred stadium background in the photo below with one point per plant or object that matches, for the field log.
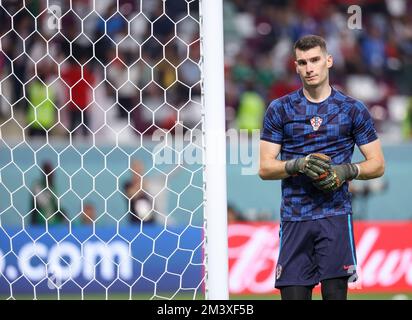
(110, 74)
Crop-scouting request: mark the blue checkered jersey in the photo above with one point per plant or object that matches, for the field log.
(301, 127)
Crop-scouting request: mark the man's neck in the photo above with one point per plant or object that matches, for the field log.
(317, 94)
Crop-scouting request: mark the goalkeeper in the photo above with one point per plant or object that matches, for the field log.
(315, 129)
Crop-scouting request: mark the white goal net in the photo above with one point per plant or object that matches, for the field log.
(101, 174)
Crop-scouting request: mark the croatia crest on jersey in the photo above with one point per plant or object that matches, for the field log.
(316, 122)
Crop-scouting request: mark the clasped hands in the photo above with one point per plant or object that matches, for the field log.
(318, 167)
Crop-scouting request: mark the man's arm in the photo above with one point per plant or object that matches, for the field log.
(374, 164)
(372, 167)
(270, 168)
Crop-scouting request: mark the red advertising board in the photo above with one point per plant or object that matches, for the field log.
(384, 256)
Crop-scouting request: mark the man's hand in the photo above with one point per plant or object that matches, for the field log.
(336, 176)
(314, 165)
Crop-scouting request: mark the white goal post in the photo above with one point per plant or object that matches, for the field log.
(215, 149)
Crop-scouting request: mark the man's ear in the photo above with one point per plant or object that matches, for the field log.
(329, 61)
(296, 67)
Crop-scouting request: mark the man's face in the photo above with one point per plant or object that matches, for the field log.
(313, 66)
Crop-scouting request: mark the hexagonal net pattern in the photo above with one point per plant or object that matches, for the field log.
(101, 178)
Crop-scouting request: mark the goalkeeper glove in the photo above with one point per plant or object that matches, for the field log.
(337, 176)
(314, 165)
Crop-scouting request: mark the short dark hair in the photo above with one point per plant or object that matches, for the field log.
(308, 42)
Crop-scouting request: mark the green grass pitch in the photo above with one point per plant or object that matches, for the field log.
(122, 296)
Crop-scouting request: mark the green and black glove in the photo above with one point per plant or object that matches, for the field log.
(314, 165)
(336, 176)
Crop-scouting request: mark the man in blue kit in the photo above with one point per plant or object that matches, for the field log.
(315, 129)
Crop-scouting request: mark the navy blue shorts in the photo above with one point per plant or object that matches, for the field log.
(315, 250)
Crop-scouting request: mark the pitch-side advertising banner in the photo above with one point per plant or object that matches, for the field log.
(384, 256)
(123, 258)
(158, 260)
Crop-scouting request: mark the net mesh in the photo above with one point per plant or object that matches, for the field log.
(100, 111)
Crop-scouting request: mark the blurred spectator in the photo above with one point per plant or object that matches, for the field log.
(44, 203)
(23, 27)
(284, 86)
(149, 54)
(373, 50)
(41, 113)
(153, 109)
(109, 26)
(111, 23)
(242, 70)
(140, 204)
(80, 80)
(233, 215)
(251, 109)
(163, 28)
(407, 122)
(89, 214)
(124, 80)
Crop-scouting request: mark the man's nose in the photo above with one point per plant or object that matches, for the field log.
(309, 68)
